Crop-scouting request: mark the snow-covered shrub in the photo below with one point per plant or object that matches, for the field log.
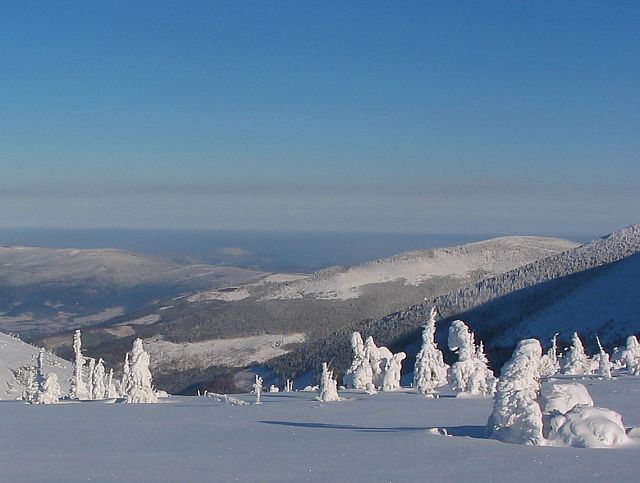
(430, 371)
(139, 387)
(78, 387)
(257, 389)
(328, 386)
(549, 363)
(563, 397)
(392, 372)
(50, 392)
(274, 388)
(588, 427)
(631, 355)
(516, 416)
(576, 362)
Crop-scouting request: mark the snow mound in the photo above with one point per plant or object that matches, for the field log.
(562, 398)
(588, 427)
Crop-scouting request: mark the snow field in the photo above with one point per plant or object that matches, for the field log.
(291, 437)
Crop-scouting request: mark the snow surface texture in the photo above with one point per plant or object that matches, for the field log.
(15, 354)
(395, 436)
(492, 256)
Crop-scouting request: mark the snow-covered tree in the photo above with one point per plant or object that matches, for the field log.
(91, 381)
(110, 390)
(288, 385)
(604, 364)
(631, 355)
(430, 370)
(549, 363)
(257, 389)
(78, 387)
(392, 372)
(482, 381)
(360, 373)
(576, 362)
(328, 385)
(31, 388)
(99, 387)
(139, 388)
(516, 416)
(50, 391)
(126, 373)
(471, 373)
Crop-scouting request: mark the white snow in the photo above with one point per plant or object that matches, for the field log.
(491, 256)
(396, 436)
(236, 352)
(15, 353)
(230, 294)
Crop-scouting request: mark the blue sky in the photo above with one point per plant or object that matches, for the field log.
(487, 117)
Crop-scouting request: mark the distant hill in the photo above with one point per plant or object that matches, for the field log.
(594, 289)
(298, 307)
(44, 291)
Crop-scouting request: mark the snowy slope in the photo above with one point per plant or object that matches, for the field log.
(606, 303)
(50, 290)
(15, 354)
(292, 438)
(491, 256)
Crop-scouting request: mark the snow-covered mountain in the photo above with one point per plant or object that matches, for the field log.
(196, 328)
(44, 290)
(413, 268)
(593, 288)
(15, 355)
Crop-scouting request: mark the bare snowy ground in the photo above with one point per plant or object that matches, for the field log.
(291, 437)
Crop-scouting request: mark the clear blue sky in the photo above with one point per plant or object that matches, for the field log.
(377, 116)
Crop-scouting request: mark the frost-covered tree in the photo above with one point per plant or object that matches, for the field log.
(50, 391)
(31, 387)
(516, 416)
(576, 362)
(78, 387)
(288, 385)
(110, 390)
(549, 363)
(430, 370)
(126, 373)
(257, 388)
(604, 364)
(631, 355)
(360, 373)
(91, 380)
(139, 388)
(328, 385)
(392, 372)
(482, 381)
(470, 374)
(99, 387)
